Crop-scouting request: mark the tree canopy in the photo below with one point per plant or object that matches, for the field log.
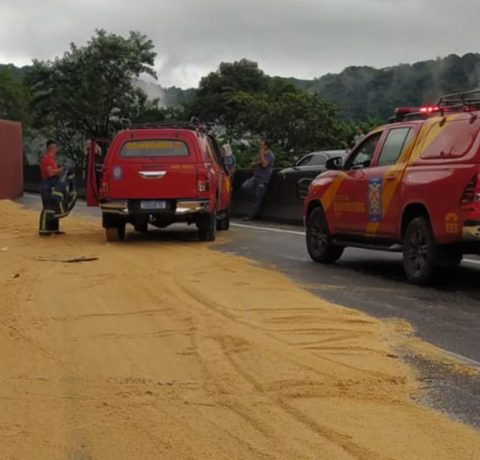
(87, 91)
(365, 92)
(250, 104)
(14, 96)
(91, 88)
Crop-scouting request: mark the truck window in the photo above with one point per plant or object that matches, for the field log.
(393, 146)
(210, 152)
(318, 160)
(154, 148)
(304, 161)
(215, 150)
(363, 154)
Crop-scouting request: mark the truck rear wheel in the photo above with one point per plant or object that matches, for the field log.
(224, 224)
(116, 233)
(207, 227)
(419, 251)
(319, 241)
(141, 227)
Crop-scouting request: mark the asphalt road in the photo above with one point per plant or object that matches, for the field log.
(446, 314)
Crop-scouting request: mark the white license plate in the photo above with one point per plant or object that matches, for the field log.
(153, 204)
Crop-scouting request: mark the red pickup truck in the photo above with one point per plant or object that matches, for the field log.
(160, 174)
(411, 186)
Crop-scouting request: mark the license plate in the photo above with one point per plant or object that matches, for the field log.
(153, 204)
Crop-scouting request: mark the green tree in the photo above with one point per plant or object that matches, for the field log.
(216, 99)
(153, 113)
(365, 92)
(14, 96)
(88, 90)
(249, 104)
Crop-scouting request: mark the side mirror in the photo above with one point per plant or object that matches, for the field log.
(335, 163)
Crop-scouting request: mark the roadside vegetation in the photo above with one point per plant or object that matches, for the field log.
(92, 89)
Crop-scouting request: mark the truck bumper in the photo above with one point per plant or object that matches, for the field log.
(471, 230)
(181, 207)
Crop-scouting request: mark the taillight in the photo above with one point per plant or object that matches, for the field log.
(105, 184)
(202, 182)
(471, 194)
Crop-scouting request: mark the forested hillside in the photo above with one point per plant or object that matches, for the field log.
(363, 92)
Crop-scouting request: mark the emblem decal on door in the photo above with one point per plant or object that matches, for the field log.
(375, 199)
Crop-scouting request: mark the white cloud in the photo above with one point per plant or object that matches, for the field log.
(305, 38)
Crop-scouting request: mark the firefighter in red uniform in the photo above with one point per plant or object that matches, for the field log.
(50, 172)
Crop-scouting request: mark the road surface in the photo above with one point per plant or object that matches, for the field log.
(163, 347)
(446, 315)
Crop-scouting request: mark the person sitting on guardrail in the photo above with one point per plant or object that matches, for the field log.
(257, 185)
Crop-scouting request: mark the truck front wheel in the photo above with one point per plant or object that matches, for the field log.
(419, 251)
(319, 241)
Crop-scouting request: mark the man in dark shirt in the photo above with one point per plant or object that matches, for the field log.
(257, 185)
(50, 172)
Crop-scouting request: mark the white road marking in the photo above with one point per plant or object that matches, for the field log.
(274, 230)
(294, 232)
(269, 229)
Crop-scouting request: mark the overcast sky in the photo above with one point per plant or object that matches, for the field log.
(301, 38)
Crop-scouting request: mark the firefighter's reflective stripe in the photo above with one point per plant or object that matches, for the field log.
(60, 197)
(64, 195)
(45, 216)
(73, 199)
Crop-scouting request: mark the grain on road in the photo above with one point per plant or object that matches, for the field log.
(160, 348)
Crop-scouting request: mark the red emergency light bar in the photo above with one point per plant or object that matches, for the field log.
(423, 110)
(401, 113)
(429, 109)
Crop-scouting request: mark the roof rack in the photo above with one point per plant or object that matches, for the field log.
(411, 116)
(460, 101)
(415, 116)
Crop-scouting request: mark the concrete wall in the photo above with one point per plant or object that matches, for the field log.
(11, 159)
(281, 203)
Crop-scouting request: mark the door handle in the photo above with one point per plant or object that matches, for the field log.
(390, 178)
(152, 174)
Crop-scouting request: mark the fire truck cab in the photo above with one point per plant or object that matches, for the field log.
(411, 186)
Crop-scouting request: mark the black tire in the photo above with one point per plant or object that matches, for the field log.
(109, 220)
(141, 227)
(419, 251)
(224, 224)
(116, 233)
(449, 258)
(319, 240)
(207, 227)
